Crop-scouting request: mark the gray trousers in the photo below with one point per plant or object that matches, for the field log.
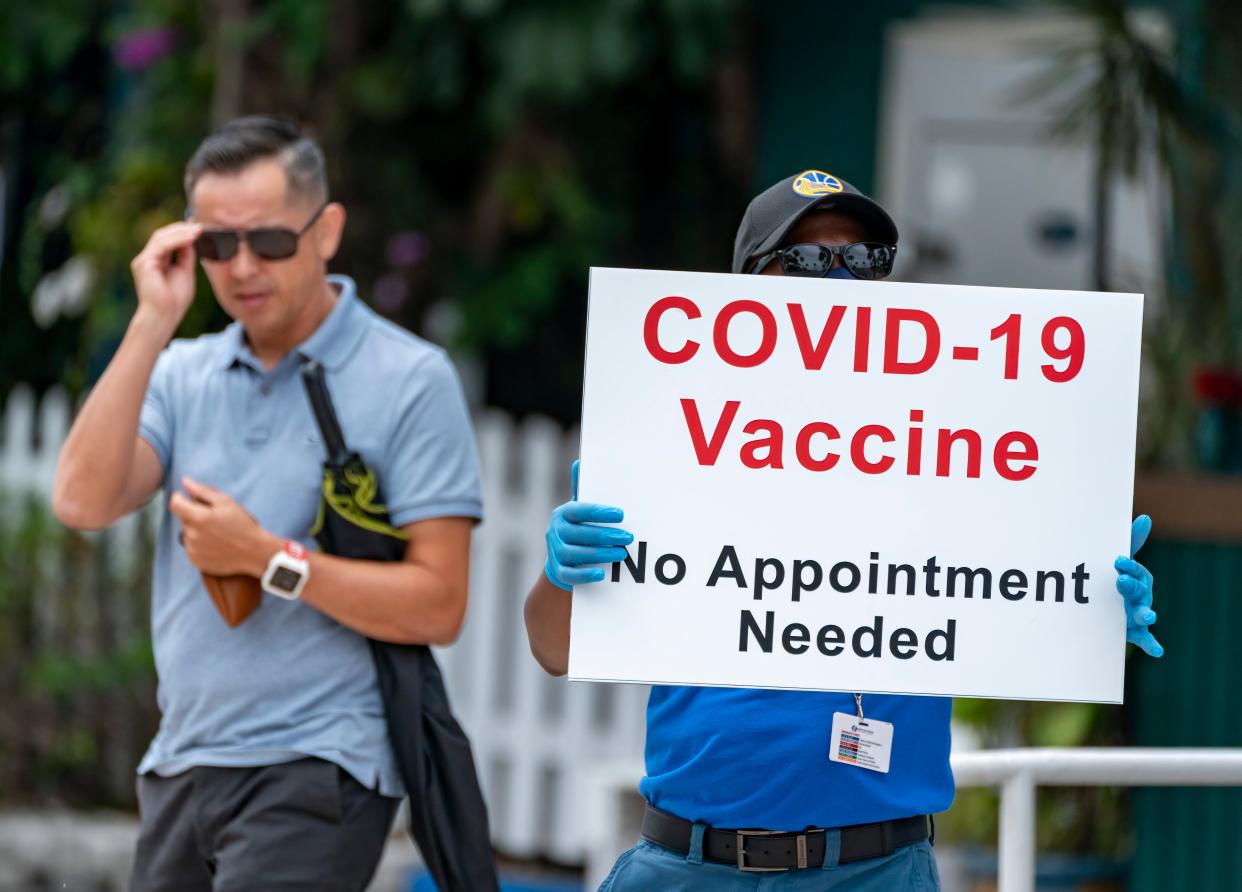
(305, 825)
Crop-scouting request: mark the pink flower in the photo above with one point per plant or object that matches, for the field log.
(142, 47)
(407, 248)
(390, 292)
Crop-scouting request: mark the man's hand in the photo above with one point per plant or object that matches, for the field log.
(1134, 581)
(106, 469)
(164, 272)
(220, 538)
(577, 550)
(576, 546)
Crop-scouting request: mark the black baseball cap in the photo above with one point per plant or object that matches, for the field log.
(775, 210)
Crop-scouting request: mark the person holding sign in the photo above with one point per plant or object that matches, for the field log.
(818, 790)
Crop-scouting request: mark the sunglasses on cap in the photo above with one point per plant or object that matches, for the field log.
(267, 242)
(864, 260)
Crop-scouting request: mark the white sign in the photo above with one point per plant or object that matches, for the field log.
(859, 486)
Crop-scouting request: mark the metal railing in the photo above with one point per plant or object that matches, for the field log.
(1018, 772)
(615, 809)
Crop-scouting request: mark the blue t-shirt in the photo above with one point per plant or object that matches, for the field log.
(289, 681)
(745, 758)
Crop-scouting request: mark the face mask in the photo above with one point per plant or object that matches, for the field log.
(840, 272)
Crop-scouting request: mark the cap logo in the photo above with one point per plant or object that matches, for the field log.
(814, 183)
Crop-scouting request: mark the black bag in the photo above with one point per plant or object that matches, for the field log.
(448, 818)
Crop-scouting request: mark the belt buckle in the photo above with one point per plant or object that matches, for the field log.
(741, 851)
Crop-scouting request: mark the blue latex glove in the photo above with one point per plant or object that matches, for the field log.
(1134, 581)
(577, 546)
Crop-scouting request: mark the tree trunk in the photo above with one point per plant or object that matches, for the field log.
(229, 59)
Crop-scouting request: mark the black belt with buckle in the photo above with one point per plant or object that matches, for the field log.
(765, 850)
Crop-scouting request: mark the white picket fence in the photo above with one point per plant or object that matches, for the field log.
(536, 738)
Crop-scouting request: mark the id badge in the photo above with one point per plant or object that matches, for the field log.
(866, 743)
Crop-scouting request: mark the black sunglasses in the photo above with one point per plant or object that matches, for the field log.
(268, 242)
(864, 260)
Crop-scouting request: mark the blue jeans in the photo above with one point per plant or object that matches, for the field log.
(648, 867)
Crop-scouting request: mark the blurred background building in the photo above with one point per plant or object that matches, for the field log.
(489, 152)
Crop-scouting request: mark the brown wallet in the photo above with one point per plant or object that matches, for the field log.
(236, 597)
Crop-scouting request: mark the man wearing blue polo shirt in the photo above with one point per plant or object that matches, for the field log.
(720, 760)
(271, 769)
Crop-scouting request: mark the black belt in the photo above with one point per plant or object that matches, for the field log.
(779, 850)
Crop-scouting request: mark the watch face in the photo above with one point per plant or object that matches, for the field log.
(285, 579)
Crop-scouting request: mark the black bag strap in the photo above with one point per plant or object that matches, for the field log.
(325, 414)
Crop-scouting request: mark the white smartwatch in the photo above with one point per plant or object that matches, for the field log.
(287, 572)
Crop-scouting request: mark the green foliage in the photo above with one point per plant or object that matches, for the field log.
(64, 675)
(1079, 820)
(522, 140)
(75, 662)
(45, 126)
(48, 35)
